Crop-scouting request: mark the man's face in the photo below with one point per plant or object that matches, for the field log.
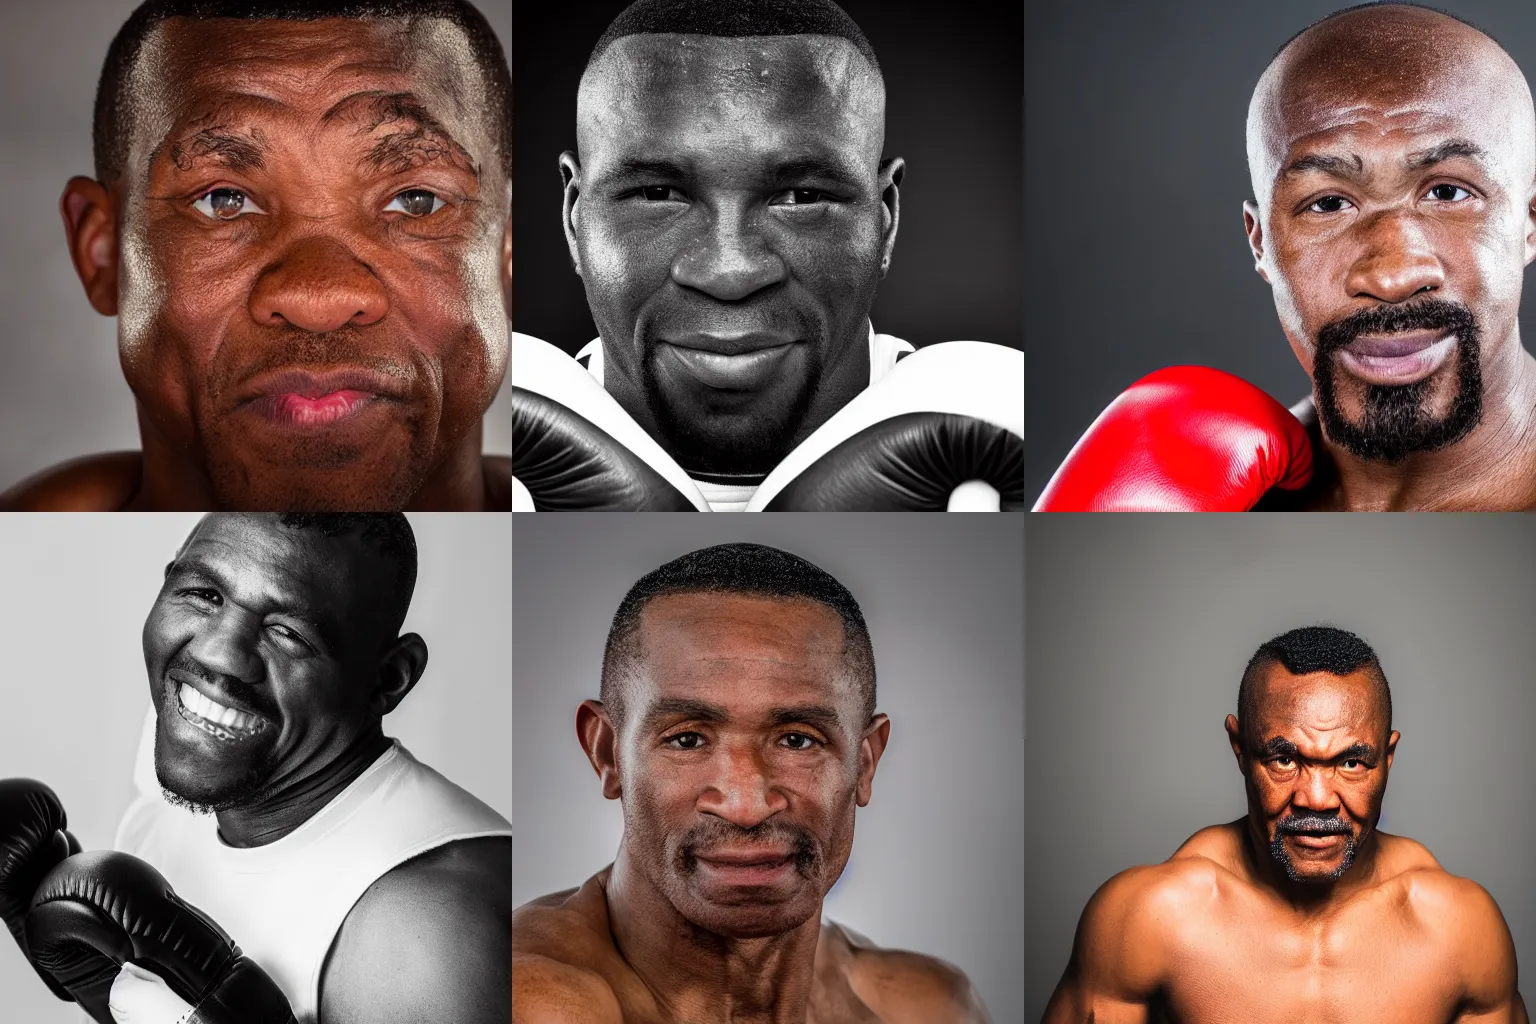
(742, 757)
(262, 652)
(312, 216)
(1394, 181)
(1316, 759)
(730, 217)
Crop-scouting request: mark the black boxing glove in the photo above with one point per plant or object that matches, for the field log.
(574, 447)
(96, 911)
(942, 430)
(33, 841)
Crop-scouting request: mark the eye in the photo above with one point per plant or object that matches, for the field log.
(202, 594)
(1329, 204)
(1352, 763)
(225, 204)
(1449, 193)
(800, 197)
(416, 202)
(1282, 762)
(283, 632)
(660, 194)
(685, 741)
(798, 741)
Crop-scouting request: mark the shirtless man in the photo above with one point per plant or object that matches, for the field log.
(737, 726)
(301, 218)
(1302, 911)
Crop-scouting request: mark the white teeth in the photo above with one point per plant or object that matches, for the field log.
(214, 713)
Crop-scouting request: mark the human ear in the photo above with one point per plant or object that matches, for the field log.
(1254, 228)
(90, 229)
(891, 172)
(570, 176)
(871, 746)
(601, 742)
(401, 667)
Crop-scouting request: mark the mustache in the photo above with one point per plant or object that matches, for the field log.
(1425, 314)
(713, 832)
(1313, 824)
(242, 692)
(292, 348)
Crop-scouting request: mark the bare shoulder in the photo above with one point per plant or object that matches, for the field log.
(902, 986)
(562, 950)
(429, 940)
(93, 483)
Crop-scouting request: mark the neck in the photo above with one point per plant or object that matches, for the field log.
(1307, 897)
(175, 479)
(296, 801)
(701, 977)
(1492, 468)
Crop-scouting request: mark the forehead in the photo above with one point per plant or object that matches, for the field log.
(1403, 80)
(259, 559)
(333, 70)
(735, 650)
(776, 91)
(1317, 707)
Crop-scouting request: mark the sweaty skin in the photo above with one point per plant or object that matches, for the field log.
(740, 755)
(1222, 932)
(730, 214)
(1393, 158)
(309, 255)
(288, 628)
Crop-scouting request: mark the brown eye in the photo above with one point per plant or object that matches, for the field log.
(416, 202)
(1329, 204)
(225, 204)
(686, 741)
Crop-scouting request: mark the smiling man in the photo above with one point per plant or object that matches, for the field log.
(737, 726)
(301, 218)
(274, 652)
(1303, 909)
(1392, 151)
(730, 210)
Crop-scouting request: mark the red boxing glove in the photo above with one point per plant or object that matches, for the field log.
(1182, 439)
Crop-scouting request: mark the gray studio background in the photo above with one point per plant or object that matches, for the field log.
(74, 592)
(1134, 152)
(937, 853)
(61, 390)
(1139, 629)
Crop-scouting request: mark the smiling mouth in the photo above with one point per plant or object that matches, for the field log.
(222, 723)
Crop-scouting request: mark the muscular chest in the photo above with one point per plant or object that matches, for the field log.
(1355, 967)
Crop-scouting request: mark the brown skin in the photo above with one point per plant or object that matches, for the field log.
(764, 205)
(1221, 932)
(319, 266)
(1376, 92)
(287, 625)
(740, 715)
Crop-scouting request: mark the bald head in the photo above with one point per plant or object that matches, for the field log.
(1390, 68)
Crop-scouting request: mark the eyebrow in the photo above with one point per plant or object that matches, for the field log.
(1278, 746)
(813, 167)
(419, 139)
(1342, 166)
(1353, 167)
(818, 716)
(1445, 151)
(637, 168)
(684, 707)
(238, 150)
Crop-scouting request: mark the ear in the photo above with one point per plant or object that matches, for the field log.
(506, 266)
(90, 229)
(1235, 738)
(876, 735)
(402, 666)
(891, 173)
(1255, 232)
(1530, 230)
(1392, 747)
(570, 176)
(601, 742)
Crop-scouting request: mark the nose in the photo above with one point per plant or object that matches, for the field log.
(225, 644)
(1315, 791)
(318, 285)
(742, 792)
(729, 259)
(1397, 261)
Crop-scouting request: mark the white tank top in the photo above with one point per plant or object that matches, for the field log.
(283, 903)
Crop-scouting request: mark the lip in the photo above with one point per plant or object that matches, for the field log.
(747, 866)
(178, 679)
(304, 398)
(1399, 358)
(1316, 840)
(745, 370)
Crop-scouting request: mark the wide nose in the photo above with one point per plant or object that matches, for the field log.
(742, 791)
(225, 644)
(1315, 791)
(318, 285)
(729, 259)
(1397, 260)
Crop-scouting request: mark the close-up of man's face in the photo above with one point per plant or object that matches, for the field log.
(1315, 759)
(730, 214)
(308, 249)
(264, 651)
(743, 749)
(1391, 152)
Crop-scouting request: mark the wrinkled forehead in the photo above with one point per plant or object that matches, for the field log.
(275, 76)
(664, 82)
(1318, 711)
(1395, 75)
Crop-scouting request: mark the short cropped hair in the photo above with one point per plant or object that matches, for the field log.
(112, 116)
(1311, 649)
(389, 534)
(736, 19)
(754, 570)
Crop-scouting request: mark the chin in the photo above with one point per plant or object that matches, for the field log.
(751, 921)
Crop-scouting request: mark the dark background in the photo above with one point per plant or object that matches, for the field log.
(953, 87)
(1135, 151)
(1138, 631)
